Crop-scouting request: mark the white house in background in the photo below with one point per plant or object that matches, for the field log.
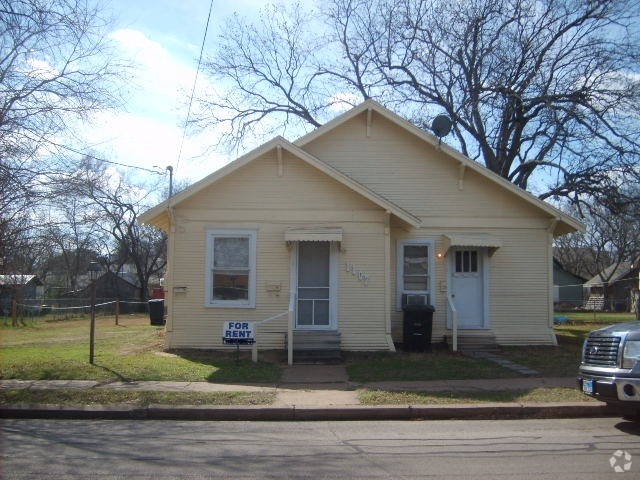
(343, 224)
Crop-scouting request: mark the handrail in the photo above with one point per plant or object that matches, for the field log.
(254, 347)
(454, 323)
(289, 313)
(290, 320)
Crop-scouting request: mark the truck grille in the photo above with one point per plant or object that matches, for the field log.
(601, 351)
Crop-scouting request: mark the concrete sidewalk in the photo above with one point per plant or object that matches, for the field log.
(311, 392)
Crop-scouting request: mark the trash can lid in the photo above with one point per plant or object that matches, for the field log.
(418, 308)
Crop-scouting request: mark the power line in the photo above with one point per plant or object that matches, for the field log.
(104, 160)
(195, 81)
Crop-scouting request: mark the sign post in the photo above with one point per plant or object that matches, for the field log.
(238, 333)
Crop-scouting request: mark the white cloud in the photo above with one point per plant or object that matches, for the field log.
(160, 81)
(41, 70)
(149, 132)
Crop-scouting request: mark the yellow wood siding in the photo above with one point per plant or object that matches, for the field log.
(413, 174)
(256, 197)
(518, 286)
(429, 184)
(271, 197)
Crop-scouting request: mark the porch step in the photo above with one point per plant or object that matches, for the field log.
(316, 347)
(471, 344)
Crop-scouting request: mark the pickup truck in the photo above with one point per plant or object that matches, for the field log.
(610, 367)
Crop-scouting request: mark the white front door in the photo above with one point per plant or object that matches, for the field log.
(468, 287)
(315, 274)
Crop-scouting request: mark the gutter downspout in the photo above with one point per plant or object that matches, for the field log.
(169, 275)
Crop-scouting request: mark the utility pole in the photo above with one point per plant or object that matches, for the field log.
(170, 169)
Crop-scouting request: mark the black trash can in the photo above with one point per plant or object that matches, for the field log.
(418, 327)
(156, 311)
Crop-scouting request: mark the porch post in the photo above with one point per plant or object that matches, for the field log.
(550, 231)
(387, 280)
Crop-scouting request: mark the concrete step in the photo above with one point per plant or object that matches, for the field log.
(486, 343)
(316, 347)
(316, 340)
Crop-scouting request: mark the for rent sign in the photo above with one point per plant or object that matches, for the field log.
(237, 333)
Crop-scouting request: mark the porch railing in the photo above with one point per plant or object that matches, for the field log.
(454, 323)
(290, 316)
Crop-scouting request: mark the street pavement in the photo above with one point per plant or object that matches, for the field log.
(312, 392)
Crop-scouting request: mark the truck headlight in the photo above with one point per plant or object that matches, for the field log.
(631, 354)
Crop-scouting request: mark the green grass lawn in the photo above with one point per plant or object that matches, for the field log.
(131, 351)
(435, 365)
(597, 318)
(132, 397)
(537, 395)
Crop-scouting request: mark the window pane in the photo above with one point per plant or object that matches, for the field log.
(321, 312)
(230, 285)
(416, 283)
(313, 264)
(305, 312)
(416, 259)
(467, 261)
(231, 252)
(317, 293)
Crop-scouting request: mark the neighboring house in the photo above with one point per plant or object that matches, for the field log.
(567, 287)
(614, 288)
(344, 223)
(19, 287)
(112, 285)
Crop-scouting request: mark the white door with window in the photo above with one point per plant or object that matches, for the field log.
(315, 273)
(467, 287)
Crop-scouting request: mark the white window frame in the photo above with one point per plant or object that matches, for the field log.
(400, 270)
(214, 233)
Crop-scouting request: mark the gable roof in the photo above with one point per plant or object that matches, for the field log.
(612, 274)
(159, 216)
(564, 223)
(560, 223)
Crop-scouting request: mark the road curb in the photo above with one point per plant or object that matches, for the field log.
(440, 412)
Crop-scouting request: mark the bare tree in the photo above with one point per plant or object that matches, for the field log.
(73, 236)
(117, 205)
(611, 239)
(544, 93)
(55, 70)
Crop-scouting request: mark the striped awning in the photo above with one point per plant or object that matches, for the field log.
(472, 240)
(313, 234)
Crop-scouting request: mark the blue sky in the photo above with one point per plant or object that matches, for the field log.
(161, 41)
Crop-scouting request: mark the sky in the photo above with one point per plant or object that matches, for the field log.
(161, 40)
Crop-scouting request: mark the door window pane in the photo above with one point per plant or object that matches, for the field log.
(313, 264)
(305, 312)
(466, 261)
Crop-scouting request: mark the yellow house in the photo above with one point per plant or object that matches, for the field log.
(323, 239)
